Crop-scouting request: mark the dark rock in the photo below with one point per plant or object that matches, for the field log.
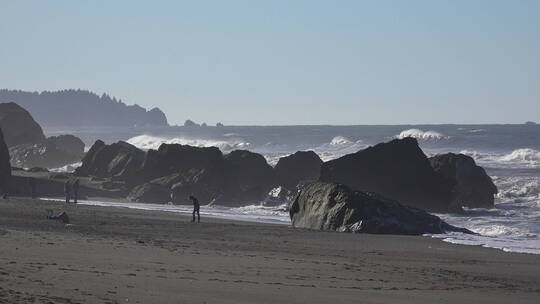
(150, 193)
(190, 123)
(120, 160)
(43, 154)
(28, 145)
(248, 177)
(471, 186)
(335, 207)
(69, 144)
(18, 125)
(175, 158)
(397, 170)
(5, 166)
(205, 184)
(113, 185)
(302, 165)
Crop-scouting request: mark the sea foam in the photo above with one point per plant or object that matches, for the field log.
(153, 142)
(422, 135)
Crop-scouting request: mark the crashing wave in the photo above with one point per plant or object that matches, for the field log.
(422, 135)
(523, 155)
(340, 141)
(67, 168)
(153, 142)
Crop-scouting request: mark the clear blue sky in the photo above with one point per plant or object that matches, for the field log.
(285, 62)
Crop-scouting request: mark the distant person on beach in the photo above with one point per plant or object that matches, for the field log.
(67, 190)
(196, 208)
(75, 190)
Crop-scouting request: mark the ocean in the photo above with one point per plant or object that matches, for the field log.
(509, 153)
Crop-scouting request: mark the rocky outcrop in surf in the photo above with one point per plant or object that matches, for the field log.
(297, 167)
(69, 144)
(335, 207)
(471, 186)
(27, 144)
(119, 160)
(19, 126)
(43, 154)
(235, 178)
(397, 170)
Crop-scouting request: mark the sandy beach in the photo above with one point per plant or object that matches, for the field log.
(120, 255)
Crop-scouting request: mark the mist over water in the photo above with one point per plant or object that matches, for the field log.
(509, 153)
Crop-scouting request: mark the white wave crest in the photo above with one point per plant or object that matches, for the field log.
(340, 141)
(523, 155)
(67, 168)
(420, 134)
(153, 142)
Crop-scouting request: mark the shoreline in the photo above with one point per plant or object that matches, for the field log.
(213, 212)
(120, 254)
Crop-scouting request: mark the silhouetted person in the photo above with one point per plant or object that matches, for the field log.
(75, 190)
(67, 190)
(196, 208)
(32, 182)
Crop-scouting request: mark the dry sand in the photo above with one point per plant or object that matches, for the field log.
(120, 255)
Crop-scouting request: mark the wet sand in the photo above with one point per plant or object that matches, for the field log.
(120, 255)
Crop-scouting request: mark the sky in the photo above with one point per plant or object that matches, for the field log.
(288, 62)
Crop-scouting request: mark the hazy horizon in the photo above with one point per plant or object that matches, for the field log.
(282, 63)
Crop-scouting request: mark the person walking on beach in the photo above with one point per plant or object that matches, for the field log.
(67, 190)
(75, 190)
(196, 208)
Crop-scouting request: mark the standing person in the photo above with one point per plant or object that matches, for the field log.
(75, 190)
(196, 208)
(67, 190)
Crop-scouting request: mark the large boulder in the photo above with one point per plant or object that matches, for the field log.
(302, 165)
(335, 207)
(472, 187)
(18, 125)
(120, 160)
(176, 158)
(42, 154)
(397, 170)
(69, 144)
(28, 145)
(205, 184)
(247, 178)
(5, 166)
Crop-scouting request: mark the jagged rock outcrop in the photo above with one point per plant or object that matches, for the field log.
(19, 126)
(205, 184)
(120, 160)
(69, 144)
(397, 170)
(5, 166)
(28, 145)
(471, 186)
(302, 165)
(42, 154)
(175, 158)
(247, 176)
(236, 178)
(150, 193)
(335, 207)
